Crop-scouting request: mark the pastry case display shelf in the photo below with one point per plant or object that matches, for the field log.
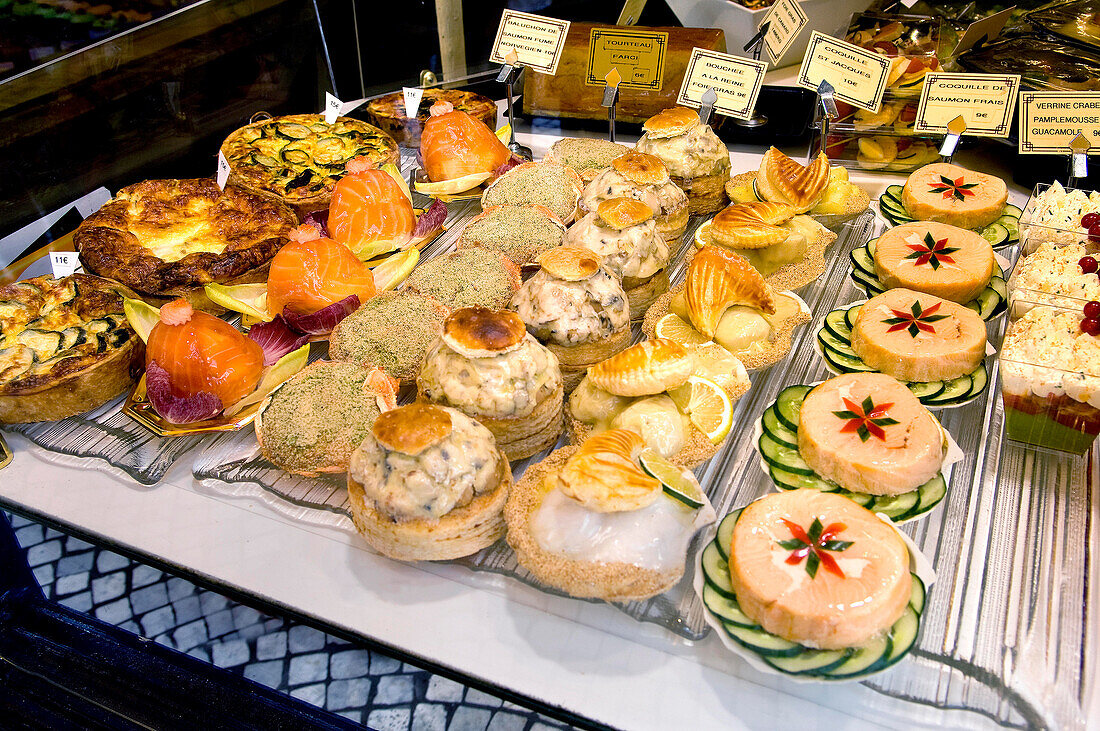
(1007, 637)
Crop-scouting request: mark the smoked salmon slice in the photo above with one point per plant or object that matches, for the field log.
(937, 258)
(454, 144)
(367, 206)
(306, 276)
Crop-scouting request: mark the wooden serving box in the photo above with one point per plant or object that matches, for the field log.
(567, 95)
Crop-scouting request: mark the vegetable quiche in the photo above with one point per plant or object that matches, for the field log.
(298, 158)
(65, 347)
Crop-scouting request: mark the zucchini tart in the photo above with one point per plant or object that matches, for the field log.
(167, 238)
(298, 158)
(388, 112)
(65, 347)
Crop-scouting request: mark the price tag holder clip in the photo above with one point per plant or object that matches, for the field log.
(707, 102)
(826, 102)
(509, 75)
(955, 129)
(1078, 159)
(611, 98)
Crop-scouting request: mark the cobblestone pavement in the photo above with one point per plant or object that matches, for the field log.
(368, 687)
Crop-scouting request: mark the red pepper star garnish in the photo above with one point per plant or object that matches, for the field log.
(866, 419)
(932, 252)
(812, 546)
(916, 320)
(956, 187)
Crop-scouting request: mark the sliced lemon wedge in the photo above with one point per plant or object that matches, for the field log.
(453, 187)
(371, 249)
(247, 299)
(504, 134)
(142, 316)
(675, 328)
(394, 270)
(678, 484)
(707, 405)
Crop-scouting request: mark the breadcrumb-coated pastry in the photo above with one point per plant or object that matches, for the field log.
(468, 277)
(391, 331)
(520, 232)
(538, 183)
(585, 155)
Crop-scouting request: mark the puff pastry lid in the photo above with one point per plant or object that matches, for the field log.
(482, 332)
(604, 476)
(718, 279)
(642, 168)
(412, 428)
(569, 263)
(646, 368)
(623, 213)
(783, 180)
(671, 123)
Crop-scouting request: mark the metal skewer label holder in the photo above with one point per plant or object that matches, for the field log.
(706, 104)
(509, 75)
(756, 45)
(955, 129)
(610, 99)
(827, 102)
(1078, 159)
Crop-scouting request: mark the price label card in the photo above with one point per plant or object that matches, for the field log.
(412, 95)
(984, 30)
(332, 108)
(787, 21)
(537, 40)
(1049, 120)
(223, 170)
(735, 80)
(64, 263)
(858, 76)
(986, 102)
(639, 55)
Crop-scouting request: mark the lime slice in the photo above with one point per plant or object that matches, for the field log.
(452, 187)
(273, 377)
(396, 175)
(247, 299)
(394, 270)
(675, 328)
(719, 365)
(707, 405)
(678, 484)
(142, 316)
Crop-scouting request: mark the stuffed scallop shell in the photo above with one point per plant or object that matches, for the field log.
(754, 225)
(603, 474)
(647, 368)
(718, 279)
(783, 179)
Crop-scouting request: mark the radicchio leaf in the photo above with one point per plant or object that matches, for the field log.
(178, 409)
(319, 220)
(513, 161)
(276, 338)
(323, 320)
(430, 219)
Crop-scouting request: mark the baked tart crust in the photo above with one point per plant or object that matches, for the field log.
(388, 112)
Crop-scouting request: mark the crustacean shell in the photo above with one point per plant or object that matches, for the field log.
(751, 225)
(644, 369)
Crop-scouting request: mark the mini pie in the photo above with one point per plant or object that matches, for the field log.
(313, 422)
(630, 390)
(391, 331)
(470, 276)
(167, 238)
(624, 233)
(645, 178)
(488, 366)
(821, 191)
(788, 249)
(587, 156)
(724, 299)
(388, 112)
(520, 232)
(548, 184)
(298, 158)
(428, 483)
(577, 308)
(588, 521)
(697, 160)
(65, 347)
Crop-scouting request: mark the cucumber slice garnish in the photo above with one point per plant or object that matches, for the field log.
(863, 259)
(895, 191)
(788, 403)
(716, 572)
(903, 635)
(834, 343)
(786, 480)
(724, 536)
(783, 457)
(774, 428)
(925, 389)
(726, 609)
(677, 484)
(899, 505)
(1000, 286)
(916, 594)
(957, 389)
(1011, 210)
(850, 316)
(764, 643)
(810, 662)
(931, 493)
(846, 363)
(871, 246)
(864, 657)
(836, 322)
(995, 234)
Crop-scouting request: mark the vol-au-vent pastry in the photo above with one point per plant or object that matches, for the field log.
(577, 308)
(724, 300)
(697, 160)
(952, 194)
(586, 156)
(428, 483)
(786, 247)
(936, 258)
(623, 232)
(488, 366)
(821, 191)
(659, 389)
(606, 519)
(645, 178)
(313, 422)
(521, 233)
(548, 184)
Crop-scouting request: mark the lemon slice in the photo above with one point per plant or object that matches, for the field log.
(452, 187)
(721, 366)
(142, 316)
(273, 377)
(504, 134)
(396, 175)
(678, 484)
(247, 299)
(707, 405)
(394, 270)
(675, 328)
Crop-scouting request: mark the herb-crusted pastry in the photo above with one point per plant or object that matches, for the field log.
(488, 366)
(521, 233)
(697, 160)
(428, 484)
(585, 155)
(537, 183)
(391, 331)
(167, 238)
(645, 178)
(471, 276)
(577, 308)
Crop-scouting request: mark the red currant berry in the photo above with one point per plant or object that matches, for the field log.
(1090, 326)
(1089, 220)
(1088, 264)
(1092, 310)
(1094, 233)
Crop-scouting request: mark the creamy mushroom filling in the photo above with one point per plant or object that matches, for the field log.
(498, 386)
(571, 313)
(695, 153)
(637, 252)
(663, 198)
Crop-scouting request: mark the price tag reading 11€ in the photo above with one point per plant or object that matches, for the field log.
(64, 263)
(412, 96)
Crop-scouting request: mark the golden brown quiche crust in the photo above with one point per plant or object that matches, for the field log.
(388, 112)
(121, 240)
